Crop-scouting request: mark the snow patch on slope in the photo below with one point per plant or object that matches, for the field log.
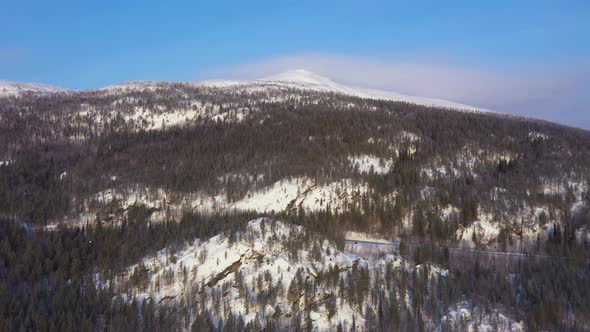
(484, 231)
(364, 163)
(366, 237)
(153, 120)
(306, 80)
(132, 86)
(219, 83)
(291, 194)
(465, 317)
(282, 196)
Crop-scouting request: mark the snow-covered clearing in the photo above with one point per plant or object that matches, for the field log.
(465, 317)
(366, 237)
(12, 88)
(483, 231)
(294, 193)
(364, 164)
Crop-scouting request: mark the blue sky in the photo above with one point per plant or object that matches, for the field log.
(534, 53)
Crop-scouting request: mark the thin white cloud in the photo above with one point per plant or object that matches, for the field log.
(523, 90)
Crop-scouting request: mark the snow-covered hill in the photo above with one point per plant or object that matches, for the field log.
(133, 86)
(12, 88)
(293, 79)
(307, 80)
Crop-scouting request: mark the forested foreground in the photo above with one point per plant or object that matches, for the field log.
(48, 277)
(49, 281)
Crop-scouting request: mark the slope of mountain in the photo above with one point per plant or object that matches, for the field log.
(294, 79)
(307, 80)
(261, 277)
(156, 205)
(304, 79)
(132, 86)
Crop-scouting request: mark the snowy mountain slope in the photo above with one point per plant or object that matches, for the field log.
(283, 196)
(12, 88)
(258, 251)
(293, 79)
(274, 269)
(221, 83)
(133, 86)
(307, 80)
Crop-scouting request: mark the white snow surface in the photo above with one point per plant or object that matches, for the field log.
(132, 86)
(364, 163)
(288, 194)
(537, 136)
(485, 229)
(294, 79)
(304, 79)
(465, 317)
(12, 88)
(220, 83)
(366, 237)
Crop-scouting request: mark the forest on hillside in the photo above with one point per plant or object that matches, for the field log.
(441, 174)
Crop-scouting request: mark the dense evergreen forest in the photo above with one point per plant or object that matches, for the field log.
(442, 178)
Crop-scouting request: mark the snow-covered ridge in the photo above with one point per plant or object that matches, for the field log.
(306, 80)
(293, 79)
(302, 77)
(12, 88)
(132, 86)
